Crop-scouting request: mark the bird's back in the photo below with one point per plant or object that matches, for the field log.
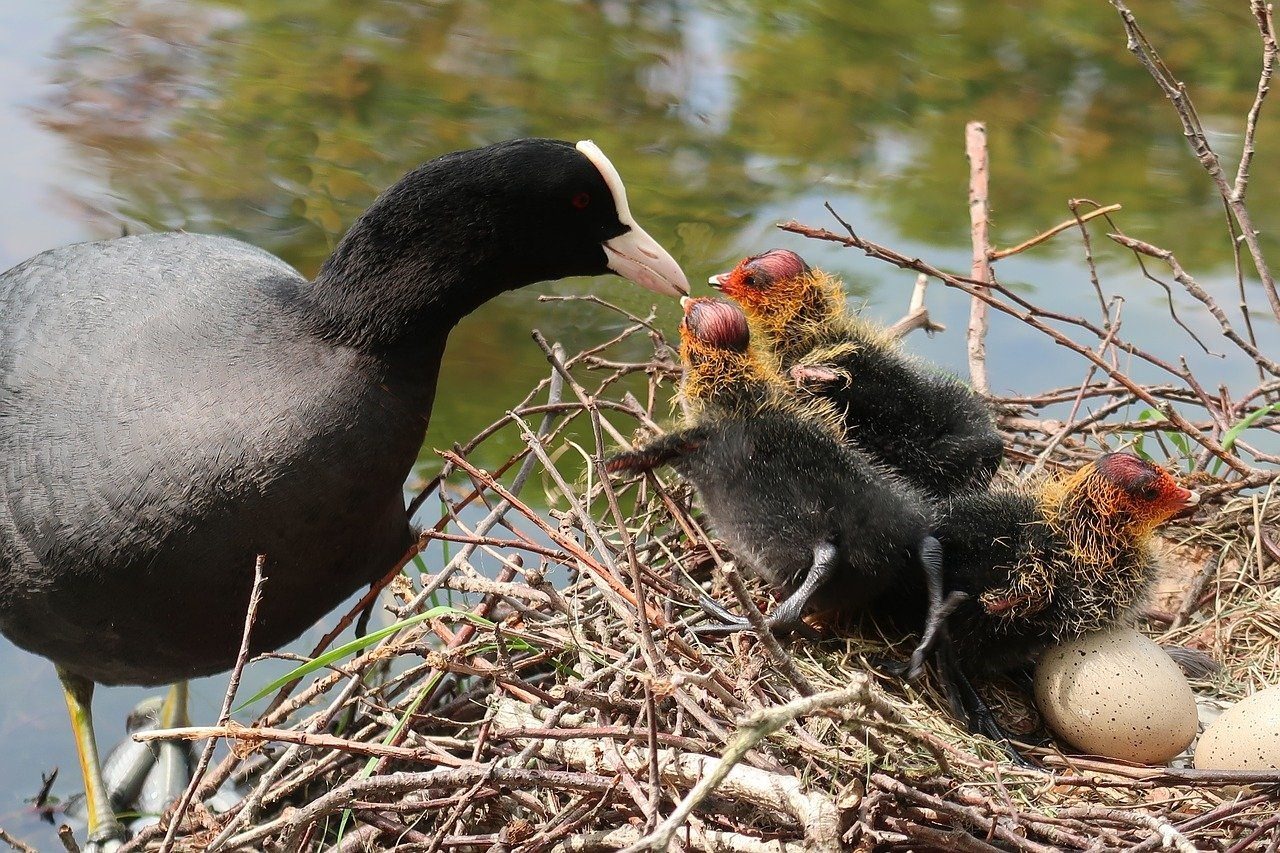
(922, 423)
(166, 414)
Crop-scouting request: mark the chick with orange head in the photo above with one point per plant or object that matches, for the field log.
(924, 424)
(808, 513)
(1038, 566)
(728, 373)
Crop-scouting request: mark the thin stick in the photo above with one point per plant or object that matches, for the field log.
(1201, 295)
(257, 735)
(224, 716)
(917, 316)
(997, 254)
(975, 148)
(754, 730)
(68, 839)
(15, 843)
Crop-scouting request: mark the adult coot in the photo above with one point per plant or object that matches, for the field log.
(172, 405)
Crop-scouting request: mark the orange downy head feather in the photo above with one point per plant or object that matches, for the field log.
(1116, 495)
(797, 307)
(724, 370)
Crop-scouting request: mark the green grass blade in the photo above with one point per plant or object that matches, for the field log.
(1229, 438)
(357, 645)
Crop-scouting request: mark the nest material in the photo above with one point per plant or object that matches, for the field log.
(562, 703)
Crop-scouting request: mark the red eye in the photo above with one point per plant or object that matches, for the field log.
(581, 200)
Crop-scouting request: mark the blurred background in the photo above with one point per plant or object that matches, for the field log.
(278, 121)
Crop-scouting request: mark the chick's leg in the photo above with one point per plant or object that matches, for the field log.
(969, 705)
(105, 832)
(786, 616)
(939, 608)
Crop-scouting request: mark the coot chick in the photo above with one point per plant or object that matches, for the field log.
(801, 509)
(172, 405)
(926, 425)
(1040, 566)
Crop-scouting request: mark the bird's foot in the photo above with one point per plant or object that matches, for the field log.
(933, 632)
(107, 838)
(888, 665)
(730, 624)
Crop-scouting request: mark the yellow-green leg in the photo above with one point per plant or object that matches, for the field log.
(173, 713)
(103, 826)
(171, 773)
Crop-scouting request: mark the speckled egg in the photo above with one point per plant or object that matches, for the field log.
(1245, 737)
(1116, 694)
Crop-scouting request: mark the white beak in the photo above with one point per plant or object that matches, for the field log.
(634, 255)
(638, 257)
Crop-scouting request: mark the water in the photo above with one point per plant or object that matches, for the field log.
(278, 122)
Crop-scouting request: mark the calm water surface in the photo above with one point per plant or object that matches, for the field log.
(277, 122)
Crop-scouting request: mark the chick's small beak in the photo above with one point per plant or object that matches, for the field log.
(638, 257)
(1190, 500)
(718, 280)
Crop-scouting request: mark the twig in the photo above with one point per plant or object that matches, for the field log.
(812, 810)
(68, 839)
(1170, 837)
(997, 254)
(975, 149)
(15, 843)
(1192, 287)
(917, 316)
(224, 716)
(764, 633)
(1191, 598)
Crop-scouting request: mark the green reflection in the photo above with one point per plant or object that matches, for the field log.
(279, 121)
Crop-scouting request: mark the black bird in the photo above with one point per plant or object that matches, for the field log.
(806, 512)
(924, 424)
(1047, 563)
(172, 405)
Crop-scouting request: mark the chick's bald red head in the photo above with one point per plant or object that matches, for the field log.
(715, 323)
(758, 280)
(1146, 490)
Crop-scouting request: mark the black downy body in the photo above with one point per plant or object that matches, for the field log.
(806, 512)
(922, 423)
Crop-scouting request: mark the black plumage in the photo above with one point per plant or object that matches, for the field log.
(172, 405)
(806, 512)
(924, 424)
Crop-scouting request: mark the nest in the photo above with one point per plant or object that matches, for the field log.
(543, 690)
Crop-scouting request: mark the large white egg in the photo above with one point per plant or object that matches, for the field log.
(1245, 737)
(1116, 694)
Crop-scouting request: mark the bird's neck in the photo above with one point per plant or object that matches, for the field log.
(425, 254)
(808, 312)
(728, 381)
